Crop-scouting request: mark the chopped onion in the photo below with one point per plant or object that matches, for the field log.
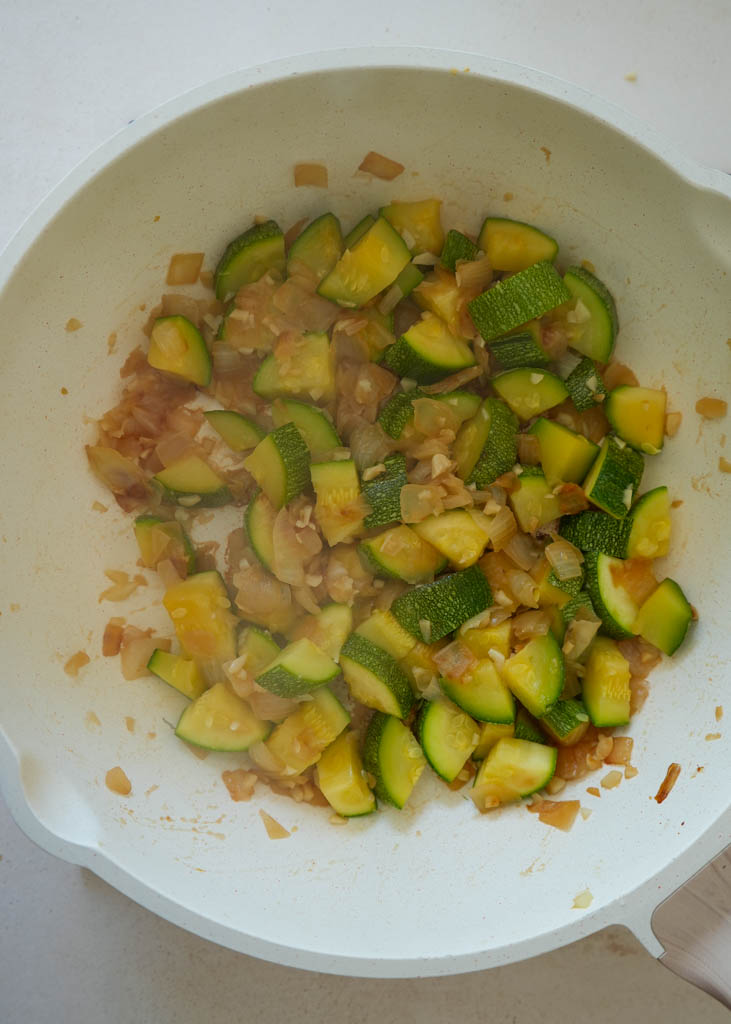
(454, 660)
(522, 550)
(529, 449)
(381, 166)
(268, 706)
(711, 408)
(390, 300)
(579, 635)
(294, 232)
(571, 499)
(672, 423)
(474, 275)
(425, 259)
(523, 587)
(419, 501)
(432, 417)
(621, 752)
(565, 559)
(310, 174)
(184, 268)
(617, 374)
(530, 624)
(136, 650)
(502, 528)
(641, 656)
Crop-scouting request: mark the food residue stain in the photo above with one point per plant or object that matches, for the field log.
(64, 391)
(151, 790)
(585, 812)
(91, 721)
(156, 218)
(535, 865)
(98, 507)
(111, 342)
(547, 153)
(671, 777)
(75, 662)
(593, 791)
(130, 723)
(588, 265)
(14, 607)
(719, 712)
(152, 735)
(117, 781)
(631, 76)
(711, 408)
(508, 196)
(582, 900)
(73, 324)
(713, 736)
(724, 465)
(273, 827)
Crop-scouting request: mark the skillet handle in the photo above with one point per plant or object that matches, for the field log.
(694, 927)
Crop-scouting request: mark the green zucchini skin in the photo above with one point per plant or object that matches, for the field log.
(445, 604)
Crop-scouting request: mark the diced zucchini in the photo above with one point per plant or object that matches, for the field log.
(318, 248)
(585, 385)
(259, 525)
(201, 612)
(487, 445)
(512, 245)
(249, 257)
(341, 778)
(550, 594)
(457, 247)
(533, 503)
(593, 333)
(612, 602)
(300, 668)
(419, 224)
(570, 586)
(384, 631)
(580, 603)
(490, 734)
(614, 478)
(258, 648)
(530, 390)
(356, 233)
(447, 736)
(482, 693)
(513, 769)
(520, 348)
(372, 264)
(374, 677)
(432, 610)
(514, 301)
(181, 673)
(317, 430)
(440, 294)
(401, 554)
(328, 629)
(638, 417)
(460, 536)
(177, 347)
(239, 432)
(338, 511)
(190, 478)
(566, 722)
(566, 456)
(409, 278)
(483, 639)
(536, 674)
(310, 375)
(393, 757)
(383, 492)
(605, 686)
(527, 728)
(597, 531)
(649, 525)
(664, 618)
(464, 403)
(161, 539)
(300, 739)
(428, 352)
(398, 412)
(280, 464)
(219, 720)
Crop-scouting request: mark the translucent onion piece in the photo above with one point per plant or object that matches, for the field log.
(381, 166)
(310, 174)
(565, 559)
(184, 268)
(503, 527)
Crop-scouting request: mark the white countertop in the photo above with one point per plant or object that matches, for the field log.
(72, 74)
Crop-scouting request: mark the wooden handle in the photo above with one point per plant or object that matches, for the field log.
(694, 926)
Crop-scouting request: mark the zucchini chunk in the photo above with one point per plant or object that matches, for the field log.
(514, 301)
(375, 678)
(239, 432)
(249, 257)
(664, 618)
(513, 769)
(433, 610)
(447, 736)
(300, 668)
(372, 264)
(178, 672)
(536, 674)
(341, 778)
(280, 464)
(177, 347)
(393, 757)
(512, 245)
(605, 687)
(219, 720)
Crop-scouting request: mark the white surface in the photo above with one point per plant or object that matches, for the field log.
(106, 73)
